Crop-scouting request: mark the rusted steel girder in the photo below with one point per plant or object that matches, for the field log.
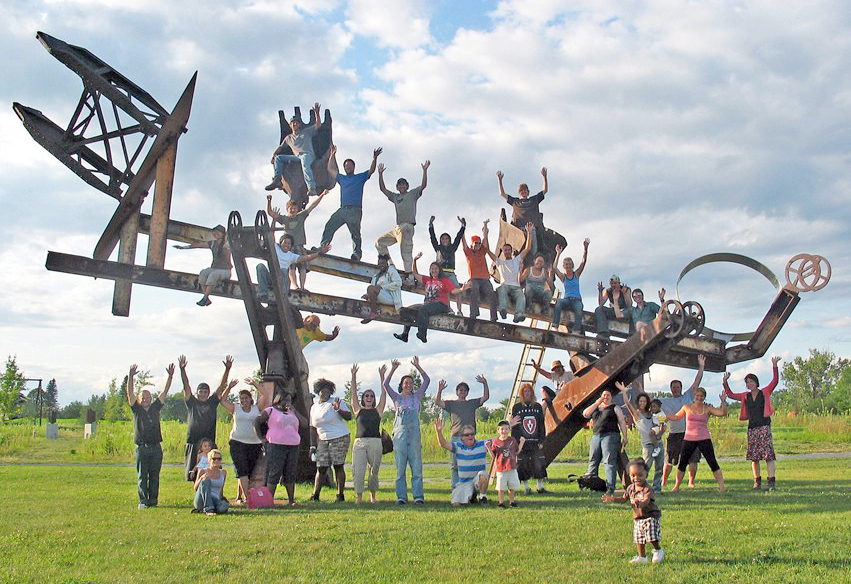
(624, 362)
(781, 308)
(92, 124)
(326, 304)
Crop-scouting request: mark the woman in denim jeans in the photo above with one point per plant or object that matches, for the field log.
(572, 299)
(407, 443)
(609, 437)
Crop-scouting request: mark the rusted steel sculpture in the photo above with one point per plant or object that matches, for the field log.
(293, 177)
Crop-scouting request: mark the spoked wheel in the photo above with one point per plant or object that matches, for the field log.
(261, 227)
(234, 220)
(676, 318)
(695, 316)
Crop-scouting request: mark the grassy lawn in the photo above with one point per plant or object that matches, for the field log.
(80, 524)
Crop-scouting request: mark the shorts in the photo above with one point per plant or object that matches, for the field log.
(213, 276)
(244, 457)
(674, 446)
(463, 493)
(332, 452)
(647, 530)
(760, 444)
(384, 297)
(507, 481)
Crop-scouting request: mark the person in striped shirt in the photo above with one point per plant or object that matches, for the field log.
(471, 455)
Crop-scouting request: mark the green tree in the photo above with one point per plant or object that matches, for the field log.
(499, 413)
(51, 396)
(809, 381)
(841, 394)
(11, 386)
(72, 411)
(115, 405)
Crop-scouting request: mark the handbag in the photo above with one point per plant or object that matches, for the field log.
(386, 442)
(259, 498)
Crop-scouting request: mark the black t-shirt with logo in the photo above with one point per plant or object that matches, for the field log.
(531, 426)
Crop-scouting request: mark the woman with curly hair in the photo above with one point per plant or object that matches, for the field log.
(329, 436)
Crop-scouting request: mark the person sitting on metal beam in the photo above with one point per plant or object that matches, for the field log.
(293, 224)
(405, 202)
(479, 283)
(643, 312)
(350, 212)
(572, 299)
(286, 258)
(438, 288)
(619, 296)
(219, 270)
(538, 284)
(510, 267)
(446, 249)
(300, 142)
(385, 287)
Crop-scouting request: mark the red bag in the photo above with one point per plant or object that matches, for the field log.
(259, 498)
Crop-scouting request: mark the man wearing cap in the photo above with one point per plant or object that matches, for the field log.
(557, 373)
(350, 212)
(219, 270)
(405, 202)
(462, 412)
(619, 297)
(200, 413)
(300, 142)
(480, 280)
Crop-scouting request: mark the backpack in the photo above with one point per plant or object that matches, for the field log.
(588, 482)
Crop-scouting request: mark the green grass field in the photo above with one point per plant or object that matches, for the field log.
(81, 524)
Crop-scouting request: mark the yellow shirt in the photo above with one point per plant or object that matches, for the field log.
(305, 336)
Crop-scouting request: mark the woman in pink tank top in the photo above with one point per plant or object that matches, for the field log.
(697, 435)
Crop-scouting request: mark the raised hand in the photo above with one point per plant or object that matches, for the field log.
(600, 286)
(377, 152)
(316, 110)
(325, 248)
(182, 362)
(481, 378)
(228, 362)
(426, 164)
(382, 371)
(355, 369)
(415, 362)
(438, 424)
(463, 221)
(394, 364)
(544, 172)
(170, 369)
(335, 331)
(133, 370)
(559, 249)
(775, 360)
(381, 168)
(441, 385)
(701, 360)
(586, 242)
(499, 174)
(251, 381)
(418, 256)
(662, 295)
(621, 387)
(726, 376)
(232, 383)
(430, 221)
(333, 153)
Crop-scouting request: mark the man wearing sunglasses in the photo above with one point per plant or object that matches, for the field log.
(472, 456)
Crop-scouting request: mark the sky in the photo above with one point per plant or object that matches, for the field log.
(670, 130)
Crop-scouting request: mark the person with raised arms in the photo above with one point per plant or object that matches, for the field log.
(697, 435)
(407, 441)
(462, 412)
(282, 443)
(471, 478)
(445, 250)
(148, 437)
(649, 433)
(200, 413)
(367, 448)
(219, 270)
(757, 410)
(245, 443)
(405, 202)
(300, 142)
(510, 267)
(572, 299)
(438, 288)
(526, 209)
(479, 283)
(293, 224)
(677, 428)
(350, 212)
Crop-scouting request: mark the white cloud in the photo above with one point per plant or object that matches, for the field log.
(404, 25)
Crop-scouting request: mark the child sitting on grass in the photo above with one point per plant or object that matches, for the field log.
(204, 447)
(504, 450)
(646, 514)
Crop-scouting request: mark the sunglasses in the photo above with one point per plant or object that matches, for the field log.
(467, 435)
(217, 458)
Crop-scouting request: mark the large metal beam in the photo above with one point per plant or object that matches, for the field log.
(326, 304)
(161, 207)
(781, 308)
(178, 230)
(132, 200)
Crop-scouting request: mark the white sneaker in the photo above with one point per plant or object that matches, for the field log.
(656, 451)
(638, 560)
(658, 556)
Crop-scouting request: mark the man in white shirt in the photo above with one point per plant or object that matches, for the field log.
(677, 428)
(510, 267)
(286, 258)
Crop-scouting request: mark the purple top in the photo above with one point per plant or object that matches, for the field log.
(407, 402)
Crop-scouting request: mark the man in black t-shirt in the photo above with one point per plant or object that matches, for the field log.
(200, 414)
(526, 209)
(148, 437)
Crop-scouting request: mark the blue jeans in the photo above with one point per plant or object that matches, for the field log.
(306, 160)
(602, 314)
(149, 461)
(206, 500)
(573, 304)
(407, 449)
(350, 216)
(264, 281)
(605, 448)
(658, 460)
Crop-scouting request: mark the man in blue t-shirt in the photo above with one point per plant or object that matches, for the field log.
(351, 199)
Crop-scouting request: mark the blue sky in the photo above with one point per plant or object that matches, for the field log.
(670, 130)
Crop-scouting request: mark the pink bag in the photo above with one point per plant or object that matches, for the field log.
(259, 498)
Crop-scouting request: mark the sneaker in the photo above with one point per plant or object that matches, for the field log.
(757, 484)
(639, 560)
(542, 491)
(528, 491)
(656, 451)
(503, 314)
(142, 506)
(519, 318)
(501, 505)
(483, 500)
(355, 257)
(658, 556)
(419, 502)
(403, 338)
(314, 498)
(203, 302)
(340, 498)
(369, 318)
(771, 484)
(513, 504)
(271, 186)
(401, 502)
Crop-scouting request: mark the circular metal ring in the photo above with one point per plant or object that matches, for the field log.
(676, 318)
(807, 272)
(696, 316)
(261, 226)
(735, 259)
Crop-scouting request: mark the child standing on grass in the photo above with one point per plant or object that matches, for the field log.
(647, 526)
(504, 450)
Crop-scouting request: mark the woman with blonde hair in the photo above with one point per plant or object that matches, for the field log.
(210, 486)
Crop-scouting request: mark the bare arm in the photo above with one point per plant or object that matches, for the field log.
(701, 361)
(426, 379)
(425, 166)
(335, 332)
(558, 274)
(333, 169)
(438, 398)
(354, 390)
(720, 412)
(679, 415)
(318, 200)
(316, 121)
(589, 411)
(541, 371)
(260, 420)
(486, 392)
(417, 274)
(228, 363)
(131, 397)
(544, 174)
(187, 389)
(375, 154)
(381, 185)
(270, 211)
(624, 392)
(622, 426)
(528, 247)
(223, 399)
(164, 392)
(581, 267)
(312, 256)
(438, 429)
(499, 177)
(382, 401)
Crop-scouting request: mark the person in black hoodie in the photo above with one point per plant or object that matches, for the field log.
(446, 249)
(529, 417)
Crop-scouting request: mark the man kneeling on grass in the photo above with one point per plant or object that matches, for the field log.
(471, 455)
